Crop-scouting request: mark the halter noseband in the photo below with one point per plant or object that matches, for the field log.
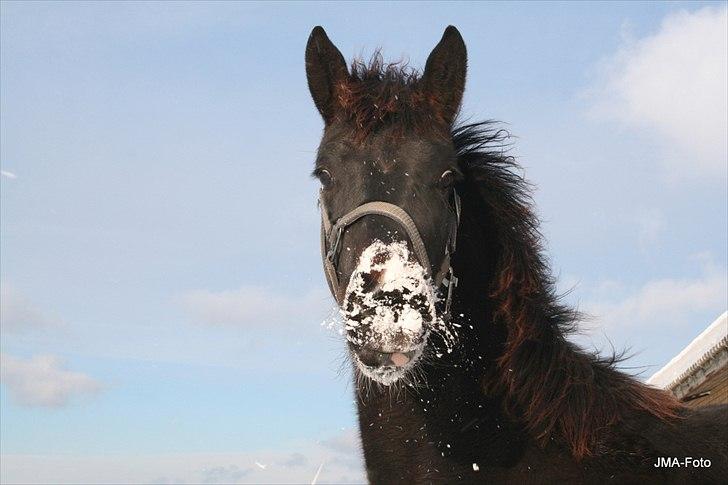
(331, 235)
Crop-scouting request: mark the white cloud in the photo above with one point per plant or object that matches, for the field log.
(346, 441)
(661, 303)
(17, 313)
(294, 463)
(7, 174)
(41, 381)
(224, 474)
(253, 306)
(294, 460)
(673, 83)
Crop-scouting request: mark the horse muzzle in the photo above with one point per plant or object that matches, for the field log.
(389, 308)
(389, 303)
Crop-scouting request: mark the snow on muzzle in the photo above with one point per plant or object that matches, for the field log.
(389, 307)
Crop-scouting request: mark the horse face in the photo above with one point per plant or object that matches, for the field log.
(387, 297)
(387, 138)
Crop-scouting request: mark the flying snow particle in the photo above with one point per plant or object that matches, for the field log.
(318, 472)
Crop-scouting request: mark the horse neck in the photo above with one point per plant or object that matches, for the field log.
(449, 407)
(405, 431)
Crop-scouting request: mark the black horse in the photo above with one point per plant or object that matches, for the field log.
(458, 340)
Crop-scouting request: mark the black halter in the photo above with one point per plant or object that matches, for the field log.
(331, 235)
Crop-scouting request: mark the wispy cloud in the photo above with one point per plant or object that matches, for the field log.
(347, 441)
(252, 306)
(7, 174)
(18, 313)
(224, 474)
(295, 463)
(659, 303)
(673, 84)
(294, 460)
(43, 382)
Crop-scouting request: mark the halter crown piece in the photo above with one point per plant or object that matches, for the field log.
(331, 235)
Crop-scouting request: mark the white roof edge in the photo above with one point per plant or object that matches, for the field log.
(708, 342)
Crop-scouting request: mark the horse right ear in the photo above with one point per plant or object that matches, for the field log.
(325, 70)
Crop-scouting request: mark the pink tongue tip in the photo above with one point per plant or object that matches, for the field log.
(399, 359)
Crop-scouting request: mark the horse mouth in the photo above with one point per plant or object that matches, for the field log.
(374, 358)
(389, 309)
(385, 367)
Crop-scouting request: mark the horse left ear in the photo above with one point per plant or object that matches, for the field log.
(444, 77)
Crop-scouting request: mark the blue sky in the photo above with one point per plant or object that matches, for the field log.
(162, 295)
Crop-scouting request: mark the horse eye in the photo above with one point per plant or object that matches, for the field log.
(447, 179)
(324, 177)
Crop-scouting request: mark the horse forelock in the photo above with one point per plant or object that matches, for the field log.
(378, 94)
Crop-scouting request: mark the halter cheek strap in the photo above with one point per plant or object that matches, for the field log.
(331, 235)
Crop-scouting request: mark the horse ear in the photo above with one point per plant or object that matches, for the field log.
(325, 69)
(444, 77)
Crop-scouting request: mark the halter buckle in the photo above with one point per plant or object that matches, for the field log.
(452, 282)
(333, 251)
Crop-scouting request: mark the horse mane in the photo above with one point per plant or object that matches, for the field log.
(556, 388)
(378, 94)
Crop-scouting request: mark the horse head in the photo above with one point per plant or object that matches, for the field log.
(388, 171)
